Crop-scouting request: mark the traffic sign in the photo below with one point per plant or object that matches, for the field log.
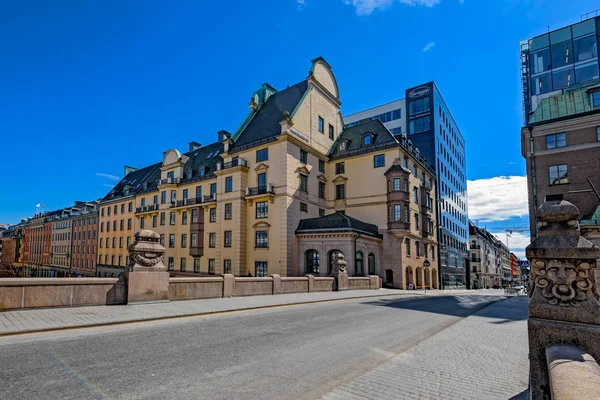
(426, 264)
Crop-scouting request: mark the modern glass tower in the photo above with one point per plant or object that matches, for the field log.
(558, 59)
(425, 119)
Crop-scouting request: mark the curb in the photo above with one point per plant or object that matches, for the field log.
(197, 314)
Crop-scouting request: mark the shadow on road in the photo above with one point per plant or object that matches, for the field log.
(513, 309)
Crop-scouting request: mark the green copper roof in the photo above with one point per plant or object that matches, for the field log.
(571, 102)
(592, 219)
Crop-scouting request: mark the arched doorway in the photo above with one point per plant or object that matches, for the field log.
(312, 262)
(372, 264)
(409, 277)
(358, 264)
(419, 277)
(331, 257)
(434, 278)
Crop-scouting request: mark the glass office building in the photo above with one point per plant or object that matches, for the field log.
(425, 119)
(555, 60)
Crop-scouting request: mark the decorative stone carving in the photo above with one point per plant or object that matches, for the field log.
(146, 250)
(339, 264)
(147, 276)
(562, 267)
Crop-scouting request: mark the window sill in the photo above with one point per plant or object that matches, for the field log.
(559, 184)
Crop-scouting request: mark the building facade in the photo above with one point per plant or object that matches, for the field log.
(490, 259)
(556, 60)
(60, 254)
(285, 192)
(425, 119)
(84, 239)
(515, 269)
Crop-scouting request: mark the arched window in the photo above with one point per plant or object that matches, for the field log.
(358, 264)
(372, 264)
(332, 257)
(312, 262)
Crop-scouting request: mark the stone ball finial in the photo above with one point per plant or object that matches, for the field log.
(286, 115)
(147, 235)
(557, 215)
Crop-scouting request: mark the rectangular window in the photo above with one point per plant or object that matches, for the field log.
(101, 226)
(198, 192)
(321, 212)
(407, 247)
(120, 261)
(130, 207)
(262, 155)
(184, 218)
(172, 218)
(194, 240)
(128, 241)
(321, 125)
(340, 192)
(262, 180)
(171, 263)
(154, 221)
(227, 239)
(212, 217)
(378, 160)
(108, 208)
(262, 240)
(397, 186)
(102, 213)
(331, 132)
(322, 190)
(598, 133)
(304, 207)
(182, 265)
(418, 249)
(163, 197)
(185, 194)
(397, 212)
(213, 189)
(322, 166)
(211, 266)
(558, 174)
(419, 125)
(115, 226)
(227, 266)
(228, 212)
(173, 196)
(155, 199)
(228, 184)
(194, 215)
(122, 224)
(122, 209)
(196, 265)
(171, 240)
(418, 106)
(303, 183)
(303, 156)
(120, 242)
(183, 241)
(556, 140)
(260, 268)
(425, 250)
(129, 224)
(339, 168)
(417, 221)
(107, 243)
(143, 202)
(262, 209)
(212, 238)
(595, 100)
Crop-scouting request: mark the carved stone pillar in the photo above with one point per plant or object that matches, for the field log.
(339, 273)
(147, 276)
(564, 305)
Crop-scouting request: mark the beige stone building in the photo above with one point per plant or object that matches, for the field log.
(285, 192)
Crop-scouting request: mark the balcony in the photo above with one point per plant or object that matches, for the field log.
(256, 193)
(426, 185)
(143, 209)
(237, 162)
(426, 233)
(399, 195)
(395, 226)
(475, 259)
(426, 209)
(168, 181)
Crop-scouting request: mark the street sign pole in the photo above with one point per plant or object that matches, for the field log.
(426, 265)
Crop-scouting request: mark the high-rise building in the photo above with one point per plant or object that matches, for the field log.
(425, 120)
(561, 101)
(558, 59)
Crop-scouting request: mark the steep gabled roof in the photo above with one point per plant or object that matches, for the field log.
(337, 222)
(264, 124)
(134, 180)
(353, 136)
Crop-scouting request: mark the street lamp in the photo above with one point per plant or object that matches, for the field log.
(426, 265)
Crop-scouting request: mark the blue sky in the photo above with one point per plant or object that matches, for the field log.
(88, 87)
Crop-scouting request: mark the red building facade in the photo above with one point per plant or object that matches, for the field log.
(84, 239)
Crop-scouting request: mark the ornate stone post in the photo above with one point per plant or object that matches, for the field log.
(564, 305)
(147, 276)
(339, 272)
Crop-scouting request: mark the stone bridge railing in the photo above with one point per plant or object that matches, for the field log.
(564, 310)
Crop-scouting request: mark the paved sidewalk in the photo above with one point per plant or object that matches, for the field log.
(35, 320)
(484, 356)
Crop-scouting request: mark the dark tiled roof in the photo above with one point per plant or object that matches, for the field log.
(337, 222)
(354, 137)
(397, 168)
(264, 124)
(135, 181)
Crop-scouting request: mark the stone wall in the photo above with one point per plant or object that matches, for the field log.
(18, 293)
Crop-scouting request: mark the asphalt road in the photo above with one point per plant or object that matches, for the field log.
(297, 352)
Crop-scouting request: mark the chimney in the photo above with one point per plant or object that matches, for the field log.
(194, 146)
(222, 135)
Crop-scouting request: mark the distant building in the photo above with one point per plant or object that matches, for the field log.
(425, 120)
(490, 259)
(515, 269)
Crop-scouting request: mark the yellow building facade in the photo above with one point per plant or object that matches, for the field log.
(285, 191)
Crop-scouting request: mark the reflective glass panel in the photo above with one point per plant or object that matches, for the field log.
(585, 48)
(586, 72)
(540, 61)
(541, 84)
(562, 54)
(563, 78)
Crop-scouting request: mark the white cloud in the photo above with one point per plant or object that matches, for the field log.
(428, 46)
(108, 176)
(300, 4)
(461, 1)
(497, 199)
(366, 7)
(516, 240)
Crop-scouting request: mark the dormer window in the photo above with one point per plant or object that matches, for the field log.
(189, 175)
(342, 146)
(202, 171)
(367, 140)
